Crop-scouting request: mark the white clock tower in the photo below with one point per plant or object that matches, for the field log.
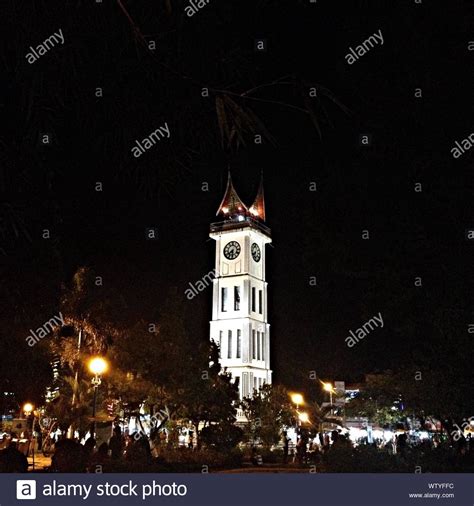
(239, 322)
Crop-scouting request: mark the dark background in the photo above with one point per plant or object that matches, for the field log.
(314, 233)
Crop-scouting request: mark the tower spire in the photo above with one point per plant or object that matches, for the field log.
(231, 203)
(257, 209)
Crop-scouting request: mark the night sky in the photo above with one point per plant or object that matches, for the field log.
(359, 187)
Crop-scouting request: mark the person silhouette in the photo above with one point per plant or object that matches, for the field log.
(12, 460)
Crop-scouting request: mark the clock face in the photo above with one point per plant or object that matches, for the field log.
(232, 250)
(256, 252)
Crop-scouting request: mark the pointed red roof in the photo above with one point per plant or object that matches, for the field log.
(257, 209)
(231, 203)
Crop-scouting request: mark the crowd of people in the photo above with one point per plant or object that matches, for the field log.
(125, 451)
(311, 448)
(72, 456)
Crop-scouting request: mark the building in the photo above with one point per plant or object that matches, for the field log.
(239, 322)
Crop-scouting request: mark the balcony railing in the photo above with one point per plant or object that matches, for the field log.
(238, 223)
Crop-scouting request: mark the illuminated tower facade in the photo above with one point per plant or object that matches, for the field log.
(239, 322)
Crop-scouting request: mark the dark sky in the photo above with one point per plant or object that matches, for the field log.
(314, 233)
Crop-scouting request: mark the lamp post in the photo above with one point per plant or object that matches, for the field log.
(328, 388)
(97, 366)
(297, 399)
(28, 410)
(303, 417)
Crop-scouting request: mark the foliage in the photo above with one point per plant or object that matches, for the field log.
(210, 395)
(267, 412)
(389, 398)
(367, 459)
(362, 459)
(156, 368)
(203, 460)
(275, 456)
(319, 414)
(379, 400)
(222, 436)
(78, 415)
(88, 308)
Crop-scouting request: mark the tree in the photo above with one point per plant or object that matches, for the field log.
(141, 380)
(152, 363)
(209, 398)
(87, 310)
(78, 415)
(379, 400)
(319, 414)
(390, 398)
(267, 412)
(160, 371)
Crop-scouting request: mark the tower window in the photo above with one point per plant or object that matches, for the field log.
(229, 344)
(260, 301)
(263, 345)
(253, 299)
(238, 382)
(258, 345)
(236, 298)
(223, 300)
(220, 343)
(239, 343)
(253, 343)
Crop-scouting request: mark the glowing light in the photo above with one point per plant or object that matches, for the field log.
(28, 408)
(241, 218)
(303, 417)
(327, 387)
(98, 365)
(297, 399)
(225, 210)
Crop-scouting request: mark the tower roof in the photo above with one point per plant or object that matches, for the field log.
(257, 209)
(231, 203)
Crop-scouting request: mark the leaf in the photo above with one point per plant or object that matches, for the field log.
(314, 119)
(222, 120)
(329, 94)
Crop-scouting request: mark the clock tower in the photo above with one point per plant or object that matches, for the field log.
(239, 322)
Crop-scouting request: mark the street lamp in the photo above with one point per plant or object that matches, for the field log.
(28, 410)
(304, 418)
(328, 388)
(297, 399)
(97, 366)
